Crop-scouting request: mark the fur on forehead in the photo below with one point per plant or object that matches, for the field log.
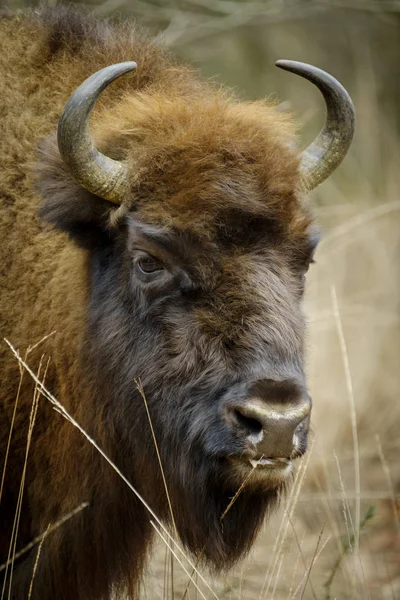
(190, 159)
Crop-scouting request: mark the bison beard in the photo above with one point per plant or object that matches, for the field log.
(186, 275)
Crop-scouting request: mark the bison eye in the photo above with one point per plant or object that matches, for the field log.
(148, 265)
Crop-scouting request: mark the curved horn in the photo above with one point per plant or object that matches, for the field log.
(97, 173)
(329, 148)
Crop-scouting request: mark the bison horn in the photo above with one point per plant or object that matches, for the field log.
(97, 173)
(329, 148)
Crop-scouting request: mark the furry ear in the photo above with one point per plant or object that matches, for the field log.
(67, 205)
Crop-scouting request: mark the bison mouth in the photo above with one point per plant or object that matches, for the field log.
(263, 471)
(270, 463)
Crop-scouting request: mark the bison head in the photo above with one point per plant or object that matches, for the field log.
(198, 243)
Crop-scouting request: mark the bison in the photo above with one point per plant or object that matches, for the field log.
(158, 260)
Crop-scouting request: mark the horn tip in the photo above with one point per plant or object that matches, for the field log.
(124, 67)
(130, 65)
(287, 65)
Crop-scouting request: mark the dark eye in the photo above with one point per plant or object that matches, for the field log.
(148, 265)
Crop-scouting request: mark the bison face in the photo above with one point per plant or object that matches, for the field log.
(207, 335)
(226, 337)
(194, 333)
(194, 313)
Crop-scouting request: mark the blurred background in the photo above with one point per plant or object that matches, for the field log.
(338, 534)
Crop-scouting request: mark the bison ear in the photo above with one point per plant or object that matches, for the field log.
(67, 205)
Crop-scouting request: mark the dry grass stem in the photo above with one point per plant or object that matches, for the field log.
(346, 548)
(10, 434)
(222, 517)
(178, 559)
(314, 560)
(306, 569)
(29, 350)
(14, 532)
(37, 561)
(348, 520)
(308, 573)
(278, 572)
(294, 573)
(284, 526)
(237, 494)
(51, 527)
(353, 416)
(141, 392)
(37, 344)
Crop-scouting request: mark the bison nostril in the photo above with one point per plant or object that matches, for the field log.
(252, 426)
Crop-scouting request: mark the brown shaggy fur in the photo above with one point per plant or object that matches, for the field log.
(217, 180)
